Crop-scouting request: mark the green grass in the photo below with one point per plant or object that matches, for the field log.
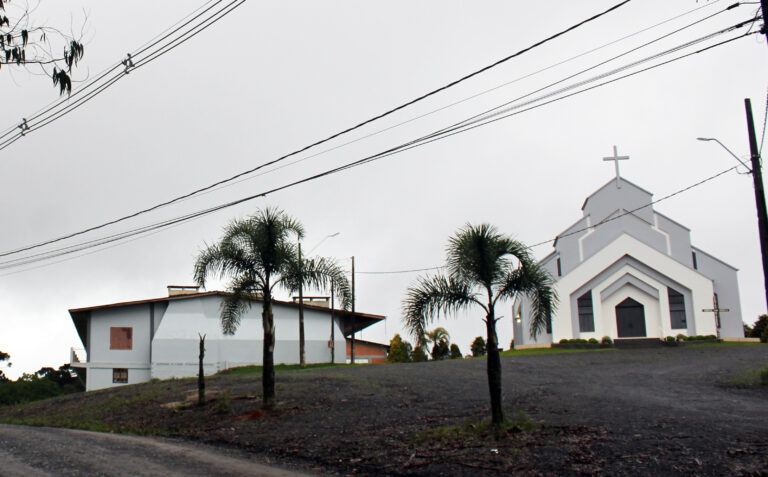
(482, 431)
(279, 368)
(529, 351)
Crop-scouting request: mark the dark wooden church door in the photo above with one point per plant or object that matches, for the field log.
(630, 319)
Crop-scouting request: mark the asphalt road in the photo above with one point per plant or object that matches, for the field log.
(43, 451)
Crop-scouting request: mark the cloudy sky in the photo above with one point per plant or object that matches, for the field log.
(272, 77)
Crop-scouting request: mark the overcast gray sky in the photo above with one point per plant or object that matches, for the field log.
(275, 76)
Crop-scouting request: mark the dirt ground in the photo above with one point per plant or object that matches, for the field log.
(657, 411)
(668, 411)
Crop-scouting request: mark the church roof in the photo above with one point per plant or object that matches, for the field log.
(612, 181)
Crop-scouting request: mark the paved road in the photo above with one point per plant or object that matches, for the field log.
(43, 451)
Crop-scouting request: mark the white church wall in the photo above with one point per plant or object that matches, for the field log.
(568, 245)
(628, 224)
(602, 203)
(700, 286)
(679, 238)
(727, 289)
(653, 307)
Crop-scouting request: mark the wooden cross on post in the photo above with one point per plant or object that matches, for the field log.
(716, 310)
(616, 158)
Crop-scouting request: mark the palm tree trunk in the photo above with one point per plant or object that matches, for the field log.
(494, 370)
(268, 360)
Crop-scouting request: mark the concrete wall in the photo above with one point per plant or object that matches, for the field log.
(102, 360)
(176, 343)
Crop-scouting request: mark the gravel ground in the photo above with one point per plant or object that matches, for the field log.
(655, 411)
(691, 410)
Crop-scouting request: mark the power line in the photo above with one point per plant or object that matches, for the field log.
(397, 149)
(603, 222)
(67, 106)
(218, 183)
(227, 183)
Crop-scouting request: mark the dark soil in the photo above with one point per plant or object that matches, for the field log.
(664, 411)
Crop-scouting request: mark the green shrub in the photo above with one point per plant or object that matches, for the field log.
(759, 327)
(606, 340)
(670, 339)
(563, 341)
(455, 351)
(710, 337)
(764, 336)
(681, 337)
(593, 340)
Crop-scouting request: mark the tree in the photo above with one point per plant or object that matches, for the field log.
(316, 273)
(759, 326)
(256, 255)
(4, 357)
(399, 350)
(484, 267)
(439, 338)
(23, 43)
(478, 347)
(455, 351)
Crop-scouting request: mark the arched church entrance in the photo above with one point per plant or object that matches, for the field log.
(630, 319)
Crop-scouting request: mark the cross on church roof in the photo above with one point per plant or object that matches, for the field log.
(616, 158)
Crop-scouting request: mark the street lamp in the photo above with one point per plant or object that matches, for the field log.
(757, 179)
(726, 148)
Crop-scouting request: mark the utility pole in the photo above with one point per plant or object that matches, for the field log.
(302, 361)
(757, 177)
(352, 343)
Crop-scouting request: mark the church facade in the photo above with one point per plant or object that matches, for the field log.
(626, 271)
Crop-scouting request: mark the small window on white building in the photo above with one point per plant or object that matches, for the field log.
(586, 315)
(120, 375)
(695, 262)
(559, 268)
(676, 309)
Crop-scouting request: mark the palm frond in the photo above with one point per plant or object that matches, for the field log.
(222, 260)
(533, 281)
(318, 273)
(430, 297)
(237, 302)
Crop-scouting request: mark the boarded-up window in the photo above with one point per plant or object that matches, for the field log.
(119, 375)
(121, 337)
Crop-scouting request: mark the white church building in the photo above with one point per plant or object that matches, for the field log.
(132, 342)
(626, 271)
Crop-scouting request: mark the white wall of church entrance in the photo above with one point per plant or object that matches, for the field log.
(651, 305)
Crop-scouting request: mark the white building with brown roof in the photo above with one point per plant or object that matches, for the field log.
(133, 342)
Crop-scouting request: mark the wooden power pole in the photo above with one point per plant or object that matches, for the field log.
(757, 177)
(302, 361)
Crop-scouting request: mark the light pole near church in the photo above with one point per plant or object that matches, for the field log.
(757, 179)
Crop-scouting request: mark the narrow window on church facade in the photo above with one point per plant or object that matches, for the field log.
(549, 322)
(676, 309)
(559, 268)
(586, 316)
(695, 264)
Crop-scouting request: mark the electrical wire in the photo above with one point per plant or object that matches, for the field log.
(403, 147)
(216, 184)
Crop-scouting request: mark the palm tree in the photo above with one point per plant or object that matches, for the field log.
(318, 273)
(439, 338)
(257, 255)
(483, 267)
